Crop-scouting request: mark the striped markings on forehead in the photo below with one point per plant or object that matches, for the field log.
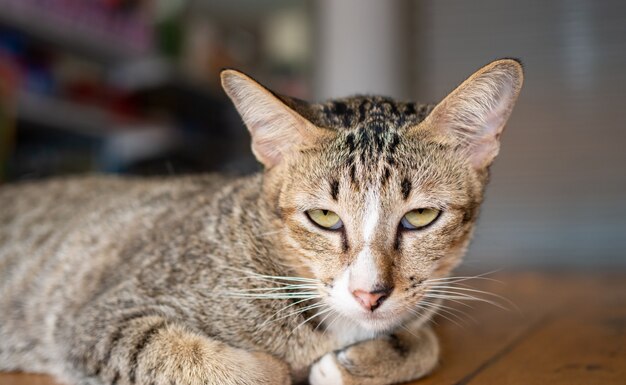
(349, 112)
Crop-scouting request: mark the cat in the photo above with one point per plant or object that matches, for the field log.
(325, 267)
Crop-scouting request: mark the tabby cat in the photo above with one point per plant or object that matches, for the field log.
(326, 266)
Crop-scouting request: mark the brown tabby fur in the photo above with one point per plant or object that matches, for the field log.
(111, 280)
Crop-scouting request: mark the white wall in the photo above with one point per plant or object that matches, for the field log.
(558, 192)
(363, 47)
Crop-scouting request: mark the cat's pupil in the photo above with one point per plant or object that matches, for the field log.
(420, 211)
(325, 212)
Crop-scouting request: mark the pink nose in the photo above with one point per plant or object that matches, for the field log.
(371, 300)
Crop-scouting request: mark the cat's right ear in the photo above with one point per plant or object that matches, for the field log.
(276, 129)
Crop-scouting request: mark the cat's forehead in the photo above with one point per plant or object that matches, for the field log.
(372, 146)
(378, 113)
(371, 128)
(368, 128)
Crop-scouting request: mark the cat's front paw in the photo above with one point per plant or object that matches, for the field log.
(385, 360)
(326, 371)
(179, 356)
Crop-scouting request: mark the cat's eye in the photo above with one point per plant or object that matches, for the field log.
(325, 218)
(419, 218)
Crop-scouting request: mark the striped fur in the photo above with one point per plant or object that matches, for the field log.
(211, 280)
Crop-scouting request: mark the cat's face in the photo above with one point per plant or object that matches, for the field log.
(374, 237)
(377, 197)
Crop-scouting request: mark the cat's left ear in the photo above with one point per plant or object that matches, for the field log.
(276, 129)
(474, 115)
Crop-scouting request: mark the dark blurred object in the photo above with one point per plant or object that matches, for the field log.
(133, 86)
(7, 114)
(105, 30)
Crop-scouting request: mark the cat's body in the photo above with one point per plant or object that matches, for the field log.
(101, 250)
(108, 280)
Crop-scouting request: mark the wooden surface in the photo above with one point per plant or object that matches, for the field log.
(570, 330)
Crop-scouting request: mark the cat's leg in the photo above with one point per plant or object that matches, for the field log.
(152, 350)
(400, 357)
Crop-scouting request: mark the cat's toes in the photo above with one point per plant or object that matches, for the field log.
(326, 372)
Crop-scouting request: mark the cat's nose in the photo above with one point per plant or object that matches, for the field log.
(371, 300)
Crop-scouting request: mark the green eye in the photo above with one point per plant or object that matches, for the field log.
(418, 218)
(325, 218)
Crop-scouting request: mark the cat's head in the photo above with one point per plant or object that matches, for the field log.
(374, 197)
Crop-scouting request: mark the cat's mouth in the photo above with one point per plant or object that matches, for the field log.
(379, 316)
(381, 320)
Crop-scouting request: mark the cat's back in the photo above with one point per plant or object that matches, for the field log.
(40, 217)
(33, 212)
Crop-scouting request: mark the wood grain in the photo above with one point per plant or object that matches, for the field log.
(26, 379)
(579, 340)
(570, 329)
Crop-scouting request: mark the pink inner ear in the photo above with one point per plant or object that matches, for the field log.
(273, 125)
(483, 152)
(265, 153)
(485, 142)
(273, 136)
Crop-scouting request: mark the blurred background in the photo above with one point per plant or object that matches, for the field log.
(131, 86)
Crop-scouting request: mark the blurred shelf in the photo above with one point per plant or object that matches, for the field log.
(64, 115)
(79, 37)
(99, 139)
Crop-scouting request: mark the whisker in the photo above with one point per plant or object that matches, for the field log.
(455, 301)
(434, 312)
(290, 305)
(452, 310)
(287, 287)
(465, 289)
(323, 319)
(287, 295)
(272, 293)
(281, 281)
(440, 310)
(252, 274)
(418, 311)
(466, 278)
(337, 315)
(462, 279)
(472, 290)
(457, 296)
(434, 307)
(432, 320)
(310, 318)
(299, 311)
(421, 312)
(453, 292)
(279, 284)
(285, 278)
(409, 331)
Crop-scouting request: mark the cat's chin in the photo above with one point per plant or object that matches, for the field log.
(379, 323)
(370, 323)
(353, 328)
